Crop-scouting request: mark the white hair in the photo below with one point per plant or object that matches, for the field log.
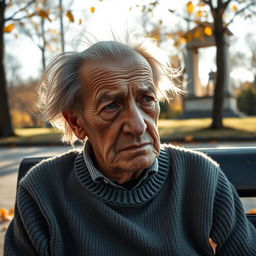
(60, 88)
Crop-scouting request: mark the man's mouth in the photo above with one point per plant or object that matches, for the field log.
(136, 146)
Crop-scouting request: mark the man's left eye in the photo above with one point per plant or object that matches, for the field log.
(111, 106)
(147, 99)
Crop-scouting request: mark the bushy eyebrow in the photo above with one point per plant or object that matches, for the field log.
(100, 78)
(108, 95)
(147, 88)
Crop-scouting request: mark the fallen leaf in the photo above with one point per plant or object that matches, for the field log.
(252, 211)
(188, 138)
(6, 215)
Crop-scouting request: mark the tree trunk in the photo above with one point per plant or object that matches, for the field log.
(44, 44)
(221, 81)
(5, 117)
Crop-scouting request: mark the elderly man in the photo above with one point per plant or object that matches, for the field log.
(123, 193)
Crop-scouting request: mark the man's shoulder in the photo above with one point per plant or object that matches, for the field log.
(188, 155)
(191, 167)
(55, 165)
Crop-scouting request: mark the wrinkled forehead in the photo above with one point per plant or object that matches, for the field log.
(107, 72)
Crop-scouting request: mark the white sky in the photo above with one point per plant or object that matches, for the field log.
(115, 15)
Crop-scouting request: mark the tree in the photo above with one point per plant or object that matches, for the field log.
(214, 12)
(22, 14)
(220, 28)
(247, 101)
(6, 128)
(38, 30)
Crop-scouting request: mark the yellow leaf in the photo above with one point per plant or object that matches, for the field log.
(80, 21)
(70, 16)
(199, 14)
(31, 15)
(92, 9)
(190, 7)
(252, 211)
(9, 28)
(177, 44)
(3, 212)
(208, 31)
(234, 8)
(6, 215)
(188, 138)
(183, 40)
(44, 14)
(155, 37)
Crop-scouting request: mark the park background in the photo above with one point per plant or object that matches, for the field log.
(35, 31)
(32, 32)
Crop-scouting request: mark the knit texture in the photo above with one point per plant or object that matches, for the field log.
(61, 211)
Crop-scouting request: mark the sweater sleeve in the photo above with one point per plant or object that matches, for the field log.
(28, 232)
(234, 234)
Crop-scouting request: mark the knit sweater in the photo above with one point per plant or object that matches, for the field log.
(61, 211)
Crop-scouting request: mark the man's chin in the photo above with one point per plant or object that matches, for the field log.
(137, 162)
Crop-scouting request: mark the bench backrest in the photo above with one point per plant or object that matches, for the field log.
(239, 165)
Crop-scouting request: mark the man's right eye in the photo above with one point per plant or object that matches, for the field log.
(111, 106)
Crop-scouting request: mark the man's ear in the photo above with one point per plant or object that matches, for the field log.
(76, 123)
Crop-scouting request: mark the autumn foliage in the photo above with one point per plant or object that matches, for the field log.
(6, 215)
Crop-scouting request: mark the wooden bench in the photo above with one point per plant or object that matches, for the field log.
(239, 165)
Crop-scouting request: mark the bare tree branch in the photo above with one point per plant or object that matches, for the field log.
(251, 10)
(19, 19)
(20, 10)
(225, 4)
(181, 16)
(209, 2)
(238, 12)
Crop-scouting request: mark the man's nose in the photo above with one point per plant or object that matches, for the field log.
(134, 121)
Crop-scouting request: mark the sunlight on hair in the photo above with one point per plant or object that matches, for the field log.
(60, 87)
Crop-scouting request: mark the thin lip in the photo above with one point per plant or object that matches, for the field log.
(135, 146)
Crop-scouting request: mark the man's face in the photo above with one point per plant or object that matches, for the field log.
(120, 115)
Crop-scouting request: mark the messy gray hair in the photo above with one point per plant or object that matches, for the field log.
(60, 88)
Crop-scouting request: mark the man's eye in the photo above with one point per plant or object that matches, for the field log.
(148, 99)
(111, 106)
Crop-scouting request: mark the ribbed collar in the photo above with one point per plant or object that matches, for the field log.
(114, 195)
(98, 176)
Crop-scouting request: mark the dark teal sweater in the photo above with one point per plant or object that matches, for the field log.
(61, 211)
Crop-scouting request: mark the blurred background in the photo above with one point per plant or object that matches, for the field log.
(212, 41)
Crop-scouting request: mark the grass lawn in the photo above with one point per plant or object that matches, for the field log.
(170, 130)
(48, 136)
(198, 129)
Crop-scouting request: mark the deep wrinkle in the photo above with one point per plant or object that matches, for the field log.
(107, 96)
(117, 80)
(120, 117)
(99, 76)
